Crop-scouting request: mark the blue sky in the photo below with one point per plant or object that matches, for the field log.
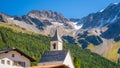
(69, 8)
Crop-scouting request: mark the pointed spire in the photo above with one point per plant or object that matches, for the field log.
(56, 37)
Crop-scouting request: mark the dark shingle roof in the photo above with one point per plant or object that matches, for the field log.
(56, 37)
(51, 56)
(14, 49)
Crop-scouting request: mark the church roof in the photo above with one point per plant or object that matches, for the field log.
(51, 56)
(14, 49)
(56, 37)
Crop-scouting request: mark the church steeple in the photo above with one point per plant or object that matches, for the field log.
(56, 42)
(56, 37)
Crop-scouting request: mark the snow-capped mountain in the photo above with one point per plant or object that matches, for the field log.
(100, 19)
(100, 31)
(104, 24)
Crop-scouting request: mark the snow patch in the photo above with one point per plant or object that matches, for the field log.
(116, 3)
(77, 26)
(101, 23)
(109, 20)
(11, 18)
(101, 10)
(114, 19)
(57, 23)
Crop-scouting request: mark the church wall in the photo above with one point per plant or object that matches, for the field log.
(68, 61)
(58, 45)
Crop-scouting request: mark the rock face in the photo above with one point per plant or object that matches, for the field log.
(102, 18)
(102, 24)
(48, 15)
(113, 32)
(43, 22)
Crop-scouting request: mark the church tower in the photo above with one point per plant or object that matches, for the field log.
(56, 55)
(56, 42)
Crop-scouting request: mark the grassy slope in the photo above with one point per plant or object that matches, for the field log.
(111, 53)
(15, 28)
(35, 45)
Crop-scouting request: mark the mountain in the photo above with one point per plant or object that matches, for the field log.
(35, 45)
(100, 19)
(105, 23)
(113, 31)
(99, 32)
(42, 22)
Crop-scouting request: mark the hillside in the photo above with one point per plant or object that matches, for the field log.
(35, 45)
(110, 50)
(15, 28)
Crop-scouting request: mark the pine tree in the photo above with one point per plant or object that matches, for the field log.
(76, 62)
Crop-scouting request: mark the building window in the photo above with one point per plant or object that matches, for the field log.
(13, 55)
(19, 63)
(8, 62)
(2, 61)
(54, 46)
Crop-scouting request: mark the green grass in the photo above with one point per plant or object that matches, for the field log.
(15, 28)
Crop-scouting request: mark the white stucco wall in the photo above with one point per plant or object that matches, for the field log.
(17, 57)
(68, 61)
(58, 45)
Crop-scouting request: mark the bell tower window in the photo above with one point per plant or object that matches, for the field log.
(54, 46)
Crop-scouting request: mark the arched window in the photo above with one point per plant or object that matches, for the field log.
(54, 46)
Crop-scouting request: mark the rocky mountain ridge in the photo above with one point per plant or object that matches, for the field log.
(100, 31)
(43, 22)
(101, 18)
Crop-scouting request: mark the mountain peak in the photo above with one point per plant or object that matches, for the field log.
(41, 12)
(44, 13)
(111, 6)
(48, 15)
(114, 4)
(102, 18)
